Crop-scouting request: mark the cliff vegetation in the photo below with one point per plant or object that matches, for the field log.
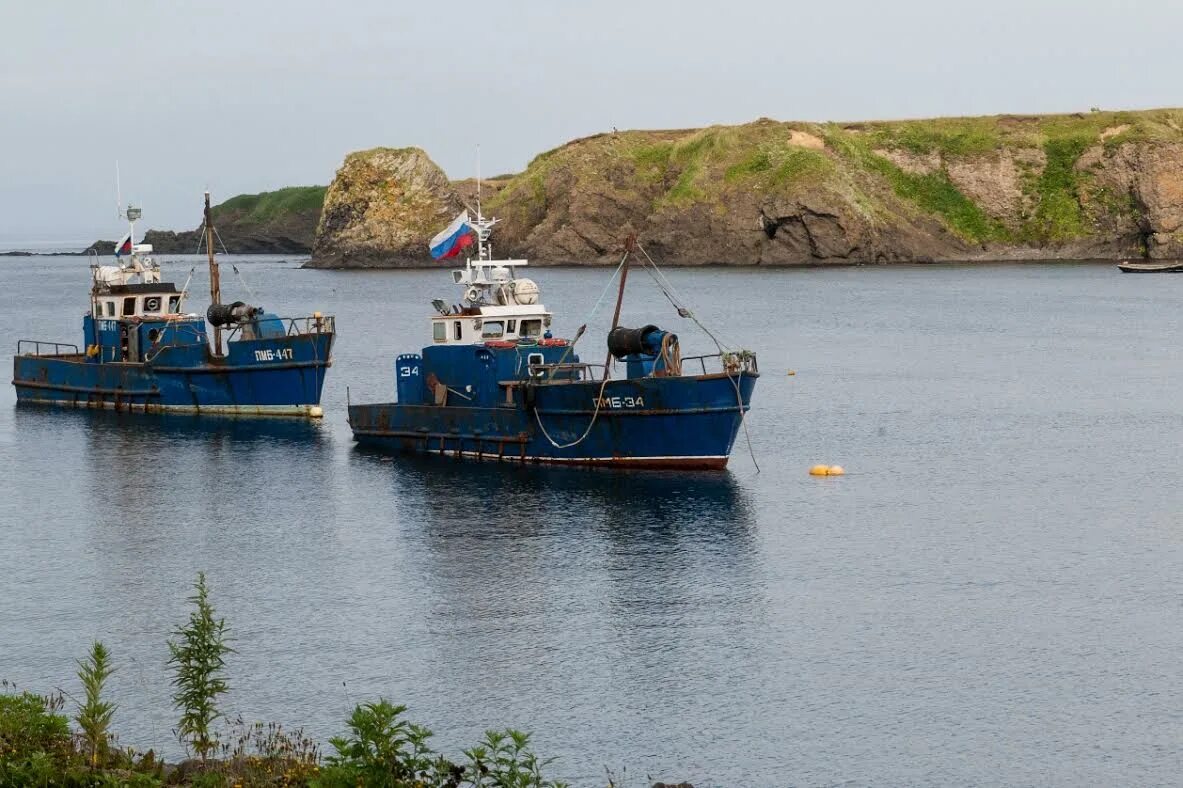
(1085, 185)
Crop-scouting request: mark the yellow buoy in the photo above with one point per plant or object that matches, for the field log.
(819, 470)
(836, 470)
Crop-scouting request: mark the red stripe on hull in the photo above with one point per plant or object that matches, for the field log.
(646, 463)
(414, 444)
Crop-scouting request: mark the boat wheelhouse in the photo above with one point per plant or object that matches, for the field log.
(500, 307)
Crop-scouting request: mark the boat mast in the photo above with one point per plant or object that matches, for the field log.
(215, 282)
(630, 245)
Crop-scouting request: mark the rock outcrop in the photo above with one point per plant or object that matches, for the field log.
(1097, 184)
(382, 208)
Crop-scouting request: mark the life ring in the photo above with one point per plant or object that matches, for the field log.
(499, 343)
(554, 342)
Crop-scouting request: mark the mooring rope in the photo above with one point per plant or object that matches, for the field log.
(684, 311)
(185, 289)
(200, 237)
(570, 347)
(590, 424)
(242, 281)
(218, 235)
(668, 291)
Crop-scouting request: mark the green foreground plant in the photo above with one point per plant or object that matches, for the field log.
(380, 749)
(94, 713)
(198, 659)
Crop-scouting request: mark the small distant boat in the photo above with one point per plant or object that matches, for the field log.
(144, 352)
(495, 385)
(1175, 267)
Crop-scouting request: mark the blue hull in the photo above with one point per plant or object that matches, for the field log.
(651, 422)
(280, 376)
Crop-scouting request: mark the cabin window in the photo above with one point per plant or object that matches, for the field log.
(439, 331)
(492, 329)
(110, 309)
(174, 304)
(456, 334)
(511, 326)
(531, 328)
(152, 304)
(129, 306)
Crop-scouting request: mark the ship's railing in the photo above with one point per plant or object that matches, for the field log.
(35, 347)
(314, 324)
(567, 371)
(299, 326)
(732, 362)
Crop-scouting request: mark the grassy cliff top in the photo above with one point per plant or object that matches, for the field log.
(952, 135)
(884, 169)
(268, 206)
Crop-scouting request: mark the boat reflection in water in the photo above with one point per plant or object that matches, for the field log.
(503, 499)
(528, 575)
(136, 428)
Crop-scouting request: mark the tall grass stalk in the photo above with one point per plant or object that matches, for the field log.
(198, 658)
(94, 713)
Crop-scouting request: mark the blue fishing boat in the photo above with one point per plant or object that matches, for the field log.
(494, 384)
(144, 352)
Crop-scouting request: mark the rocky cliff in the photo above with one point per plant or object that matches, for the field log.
(381, 209)
(278, 222)
(1091, 185)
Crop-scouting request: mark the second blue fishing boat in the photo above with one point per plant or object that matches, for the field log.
(494, 383)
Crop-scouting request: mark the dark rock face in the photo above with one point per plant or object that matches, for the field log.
(101, 248)
(237, 240)
(279, 222)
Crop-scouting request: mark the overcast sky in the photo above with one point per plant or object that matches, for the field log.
(241, 96)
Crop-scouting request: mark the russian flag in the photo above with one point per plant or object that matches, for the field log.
(455, 238)
(124, 246)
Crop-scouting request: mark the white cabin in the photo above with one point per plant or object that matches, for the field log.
(492, 324)
(157, 300)
(498, 306)
(133, 287)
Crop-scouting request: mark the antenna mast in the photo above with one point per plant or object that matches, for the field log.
(484, 228)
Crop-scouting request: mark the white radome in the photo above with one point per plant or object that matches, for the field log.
(525, 292)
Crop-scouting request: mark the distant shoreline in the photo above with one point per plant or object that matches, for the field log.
(21, 253)
(429, 266)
